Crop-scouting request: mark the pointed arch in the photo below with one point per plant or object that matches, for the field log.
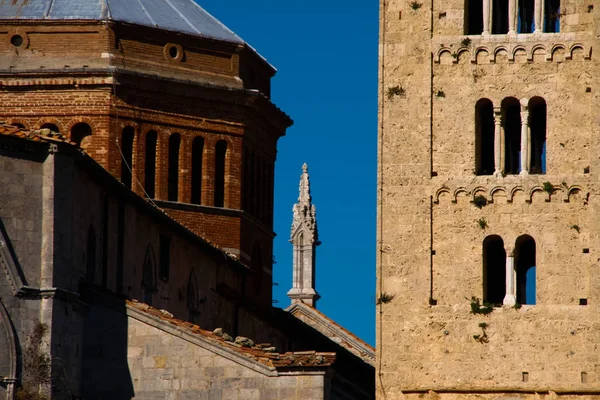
(149, 274)
(193, 299)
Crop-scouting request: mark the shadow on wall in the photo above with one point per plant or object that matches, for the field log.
(105, 369)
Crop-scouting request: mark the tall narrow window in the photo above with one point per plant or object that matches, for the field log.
(80, 134)
(246, 181)
(511, 119)
(552, 16)
(126, 148)
(537, 126)
(193, 298)
(499, 17)
(525, 264)
(257, 268)
(525, 20)
(220, 156)
(90, 273)
(150, 164)
(173, 169)
(149, 275)
(473, 17)
(494, 270)
(165, 256)
(197, 152)
(484, 137)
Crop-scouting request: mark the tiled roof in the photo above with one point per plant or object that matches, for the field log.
(41, 135)
(297, 359)
(184, 16)
(333, 330)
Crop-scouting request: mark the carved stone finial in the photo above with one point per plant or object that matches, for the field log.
(304, 239)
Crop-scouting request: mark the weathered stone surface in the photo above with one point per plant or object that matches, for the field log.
(432, 223)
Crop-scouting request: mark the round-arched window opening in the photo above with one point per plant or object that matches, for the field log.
(17, 40)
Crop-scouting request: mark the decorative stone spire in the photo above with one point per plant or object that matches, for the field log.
(304, 238)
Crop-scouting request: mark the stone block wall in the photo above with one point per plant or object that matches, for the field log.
(432, 225)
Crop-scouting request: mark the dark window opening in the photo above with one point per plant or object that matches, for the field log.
(525, 21)
(500, 17)
(18, 125)
(257, 268)
(52, 127)
(165, 256)
(494, 270)
(79, 132)
(149, 275)
(220, 156)
(193, 298)
(511, 119)
(484, 137)
(473, 17)
(90, 274)
(127, 156)
(150, 164)
(17, 40)
(173, 169)
(537, 126)
(526, 269)
(197, 153)
(552, 16)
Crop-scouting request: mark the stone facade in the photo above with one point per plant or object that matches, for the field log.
(487, 173)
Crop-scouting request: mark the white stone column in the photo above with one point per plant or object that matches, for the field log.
(498, 139)
(509, 297)
(512, 17)
(524, 137)
(539, 16)
(487, 16)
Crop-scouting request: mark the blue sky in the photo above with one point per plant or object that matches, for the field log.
(326, 56)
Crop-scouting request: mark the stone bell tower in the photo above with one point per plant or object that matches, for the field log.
(304, 239)
(488, 211)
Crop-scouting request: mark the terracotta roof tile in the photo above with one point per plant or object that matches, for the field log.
(40, 135)
(298, 359)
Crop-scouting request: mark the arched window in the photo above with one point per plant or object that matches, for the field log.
(499, 17)
(511, 120)
(193, 298)
(473, 17)
(197, 153)
(525, 19)
(484, 137)
(150, 164)
(525, 265)
(220, 157)
(537, 126)
(126, 148)
(90, 274)
(80, 133)
(52, 127)
(257, 267)
(552, 16)
(494, 270)
(173, 173)
(149, 274)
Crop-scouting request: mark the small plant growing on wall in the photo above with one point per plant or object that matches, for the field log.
(440, 93)
(480, 201)
(483, 338)
(576, 228)
(415, 5)
(517, 306)
(478, 308)
(395, 91)
(385, 298)
(466, 42)
(37, 376)
(482, 223)
(548, 187)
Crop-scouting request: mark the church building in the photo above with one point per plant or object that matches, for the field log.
(488, 268)
(137, 154)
